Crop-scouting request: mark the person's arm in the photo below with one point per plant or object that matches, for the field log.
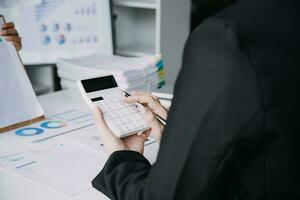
(124, 176)
(216, 101)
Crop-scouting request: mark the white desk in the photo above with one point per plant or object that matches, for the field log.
(15, 187)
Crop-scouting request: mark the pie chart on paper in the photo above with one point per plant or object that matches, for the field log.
(30, 131)
(53, 124)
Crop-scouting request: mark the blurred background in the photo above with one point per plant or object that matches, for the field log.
(53, 29)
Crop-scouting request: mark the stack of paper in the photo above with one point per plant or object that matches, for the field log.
(143, 73)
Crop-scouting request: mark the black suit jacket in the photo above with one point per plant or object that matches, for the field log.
(233, 129)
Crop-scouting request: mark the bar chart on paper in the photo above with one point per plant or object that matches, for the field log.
(15, 160)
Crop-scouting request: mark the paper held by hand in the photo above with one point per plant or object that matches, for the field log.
(18, 103)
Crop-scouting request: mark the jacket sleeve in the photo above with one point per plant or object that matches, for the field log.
(123, 176)
(215, 100)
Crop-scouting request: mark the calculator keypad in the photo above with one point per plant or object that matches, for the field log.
(122, 118)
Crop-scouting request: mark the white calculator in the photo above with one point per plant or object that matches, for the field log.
(123, 119)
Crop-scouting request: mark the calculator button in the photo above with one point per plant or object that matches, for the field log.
(123, 112)
(118, 106)
(113, 120)
(108, 115)
(133, 127)
(137, 124)
(135, 108)
(121, 128)
(133, 121)
(127, 127)
(117, 114)
(122, 121)
(136, 117)
(129, 120)
(109, 106)
(132, 112)
(100, 103)
(105, 110)
(112, 101)
(113, 115)
(142, 126)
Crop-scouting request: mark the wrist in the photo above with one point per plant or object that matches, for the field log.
(110, 149)
(158, 132)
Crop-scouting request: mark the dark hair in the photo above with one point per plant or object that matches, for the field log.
(202, 9)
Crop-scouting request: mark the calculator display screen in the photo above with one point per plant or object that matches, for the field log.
(96, 84)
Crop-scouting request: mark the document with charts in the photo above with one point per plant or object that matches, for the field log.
(18, 103)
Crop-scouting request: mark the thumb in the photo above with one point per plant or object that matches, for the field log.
(110, 141)
(153, 122)
(99, 119)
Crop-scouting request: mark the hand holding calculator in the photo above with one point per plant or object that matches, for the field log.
(123, 119)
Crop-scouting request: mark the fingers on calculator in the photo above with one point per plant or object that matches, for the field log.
(122, 118)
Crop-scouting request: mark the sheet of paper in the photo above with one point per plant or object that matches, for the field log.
(65, 162)
(18, 102)
(56, 125)
(13, 156)
(58, 164)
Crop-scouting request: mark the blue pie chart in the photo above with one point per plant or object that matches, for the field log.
(53, 124)
(29, 131)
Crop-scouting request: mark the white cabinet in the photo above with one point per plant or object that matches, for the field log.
(144, 27)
